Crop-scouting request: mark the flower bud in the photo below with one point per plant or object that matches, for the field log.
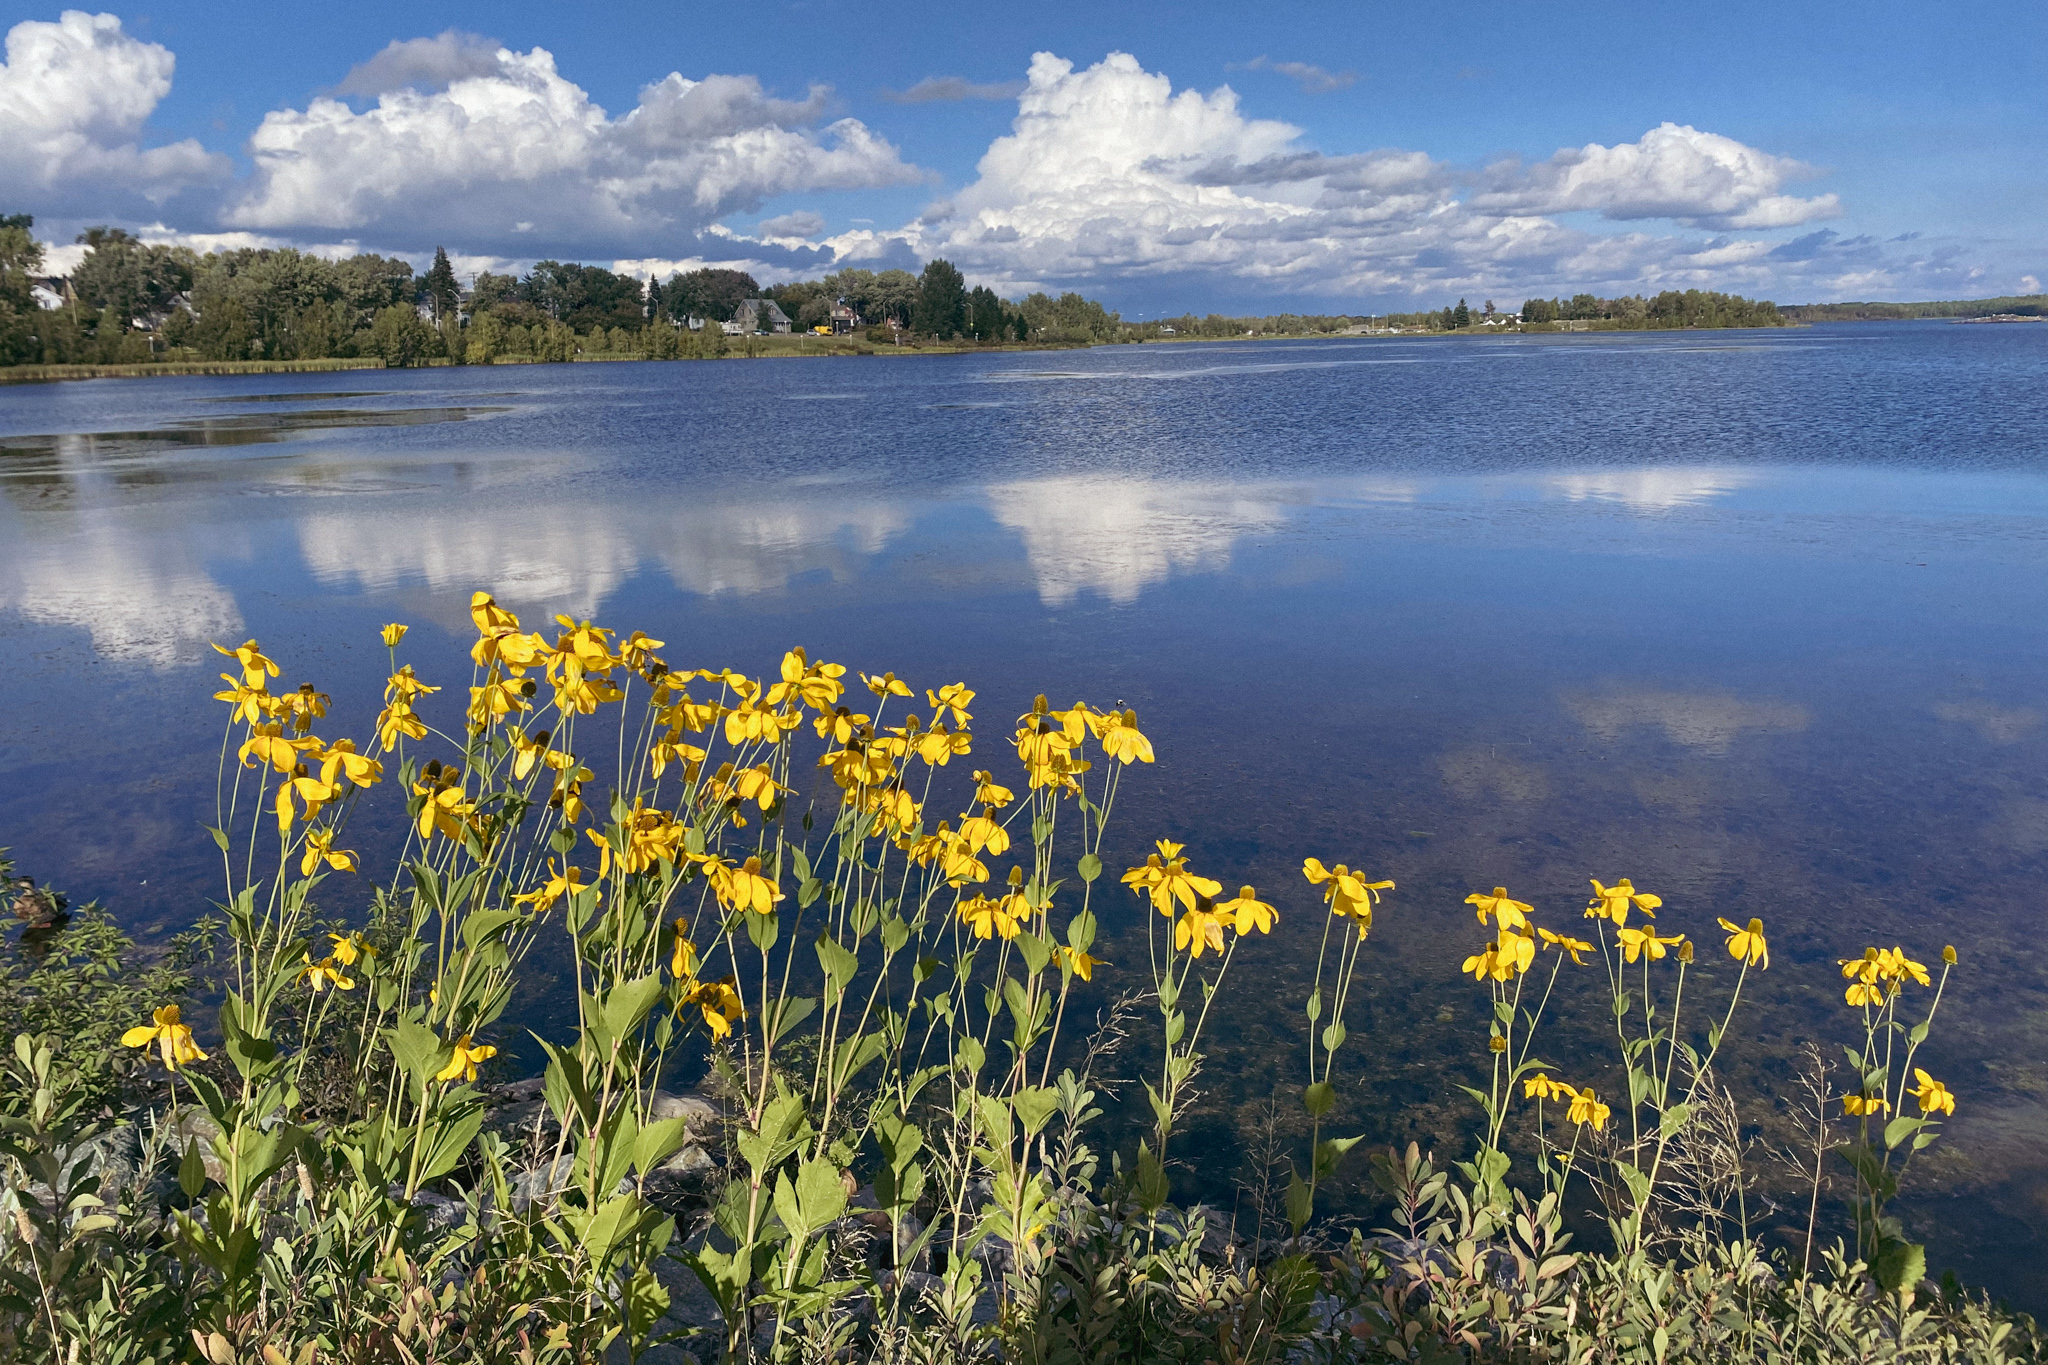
(1948, 954)
(1497, 1044)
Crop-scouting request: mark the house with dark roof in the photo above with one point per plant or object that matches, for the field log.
(759, 315)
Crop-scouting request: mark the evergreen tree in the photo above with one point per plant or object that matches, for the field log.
(1461, 316)
(653, 310)
(985, 320)
(941, 300)
(443, 293)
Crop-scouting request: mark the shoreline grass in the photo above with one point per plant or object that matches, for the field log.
(788, 348)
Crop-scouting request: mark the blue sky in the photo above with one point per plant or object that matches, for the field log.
(1238, 157)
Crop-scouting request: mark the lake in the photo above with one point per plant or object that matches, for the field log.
(1758, 619)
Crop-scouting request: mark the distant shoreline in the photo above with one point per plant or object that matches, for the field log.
(779, 348)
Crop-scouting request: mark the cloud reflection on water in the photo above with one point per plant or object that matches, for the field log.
(1705, 722)
(135, 577)
(575, 557)
(142, 598)
(1649, 490)
(1118, 536)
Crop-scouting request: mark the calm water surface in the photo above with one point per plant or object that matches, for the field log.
(1754, 618)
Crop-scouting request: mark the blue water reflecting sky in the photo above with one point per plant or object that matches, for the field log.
(1757, 619)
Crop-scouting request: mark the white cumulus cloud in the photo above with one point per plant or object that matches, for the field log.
(1110, 176)
(1673, 171)
(520, 160)
(74, 97)
(423, 64)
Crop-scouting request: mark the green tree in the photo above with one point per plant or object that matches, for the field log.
(368, 284)
(132, 281)
(484, 340)
(21, 261)
(1461, 316)
(488, 291)
(318, 333)
(583, 296)
(987, 319)
(400, 336)
(709, 294)
(224, 331)
(441, 289)
(941, 300)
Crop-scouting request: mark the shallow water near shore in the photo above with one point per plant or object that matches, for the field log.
(1759, 619)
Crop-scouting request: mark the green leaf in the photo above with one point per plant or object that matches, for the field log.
(808, 891)
(895, 934)
(1081, 931)
(1899, 1129)
(1034, 1105)
(418, 1049)
(481, 927)
(969, 1055)
(795, 1009)
(1314, 1008)
(1037, 952)
(1152, 1183)
(1674, 1119)
(448, 1140)
(657, 1142)
(607, 1228)
(251, 1055)
(1334, 1035)
(627, 1003)
(220, 836)
(1319, 1099)
(192, 1170)
(820, 1193)
(1300, 1203)
(855, 1055)
(900, 1140)
(1330, 1151)
(840, 965)
(1900, 1265)
(1091, 866)
(762, 929)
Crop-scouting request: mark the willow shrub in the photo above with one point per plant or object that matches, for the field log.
(802, 885)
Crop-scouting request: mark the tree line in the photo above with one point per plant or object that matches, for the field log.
(1672, 308)
(2017, 305)
(133, 301)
